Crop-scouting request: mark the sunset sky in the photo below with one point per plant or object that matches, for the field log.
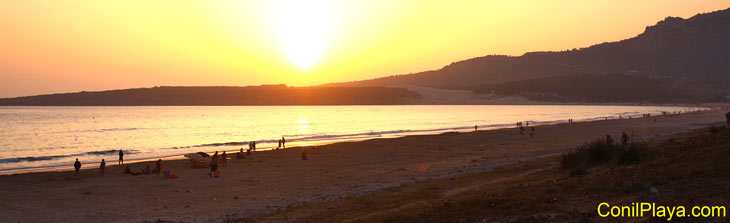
(67, 46)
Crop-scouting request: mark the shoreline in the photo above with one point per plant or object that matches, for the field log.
(358, 137)
(275, 180)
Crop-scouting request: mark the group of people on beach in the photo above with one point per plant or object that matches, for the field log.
(102, 166)
(519, 124)
(252, 145)
(223, 158)
(282, 143)
(624, 139)
(523, 130)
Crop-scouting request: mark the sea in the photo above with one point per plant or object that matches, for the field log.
(51, 138)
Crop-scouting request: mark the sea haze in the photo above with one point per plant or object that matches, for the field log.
(47, 137)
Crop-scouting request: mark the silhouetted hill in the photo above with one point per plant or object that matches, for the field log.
(691, 53)
(252, 95)
(612, 88)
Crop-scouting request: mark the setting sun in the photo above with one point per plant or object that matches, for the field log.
(304, 28)
(340, 110)
(298, 43)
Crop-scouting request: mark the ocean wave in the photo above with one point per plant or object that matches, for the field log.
(52, 157)
(114, 129)
(106, 152)
(102, 130)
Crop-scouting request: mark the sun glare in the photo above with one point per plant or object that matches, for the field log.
(304, 28)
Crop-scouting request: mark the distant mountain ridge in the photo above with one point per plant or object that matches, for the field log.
(219, 96)
(691, 56)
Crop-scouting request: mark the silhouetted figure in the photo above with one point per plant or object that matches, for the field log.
(224, 158)
(532, 132)
(158, 166)
(121, 157)
(77, 165)
(215, 158)
(283, 142)
(240, 154)
(624, 139)
(279, 146)
(213, 165)
(102, 167)
(475, 128)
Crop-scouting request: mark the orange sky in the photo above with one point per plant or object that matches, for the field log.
(49, 46)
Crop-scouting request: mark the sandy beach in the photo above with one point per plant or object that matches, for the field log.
(273, 180)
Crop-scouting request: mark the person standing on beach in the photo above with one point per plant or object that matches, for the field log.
(121, 157)
(224, 158)
(158, 166)
(624, 139)
(102, 167)
(283, 142)
(213, 168)
(240, 154)
(214, 164)
(77, 165)
(279, 146)
(532, 132)
(475, 128)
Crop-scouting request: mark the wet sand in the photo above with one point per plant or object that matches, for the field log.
(272, 180)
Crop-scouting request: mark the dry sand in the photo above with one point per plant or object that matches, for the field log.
(274, 179)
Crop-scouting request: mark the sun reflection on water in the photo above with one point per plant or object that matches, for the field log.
(303, 124)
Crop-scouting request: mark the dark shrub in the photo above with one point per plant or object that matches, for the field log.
(634, 153)
(598, 152)
(591, 154)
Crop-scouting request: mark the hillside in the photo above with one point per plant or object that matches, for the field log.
(611, 88)
(253, 95)
(691, 53)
